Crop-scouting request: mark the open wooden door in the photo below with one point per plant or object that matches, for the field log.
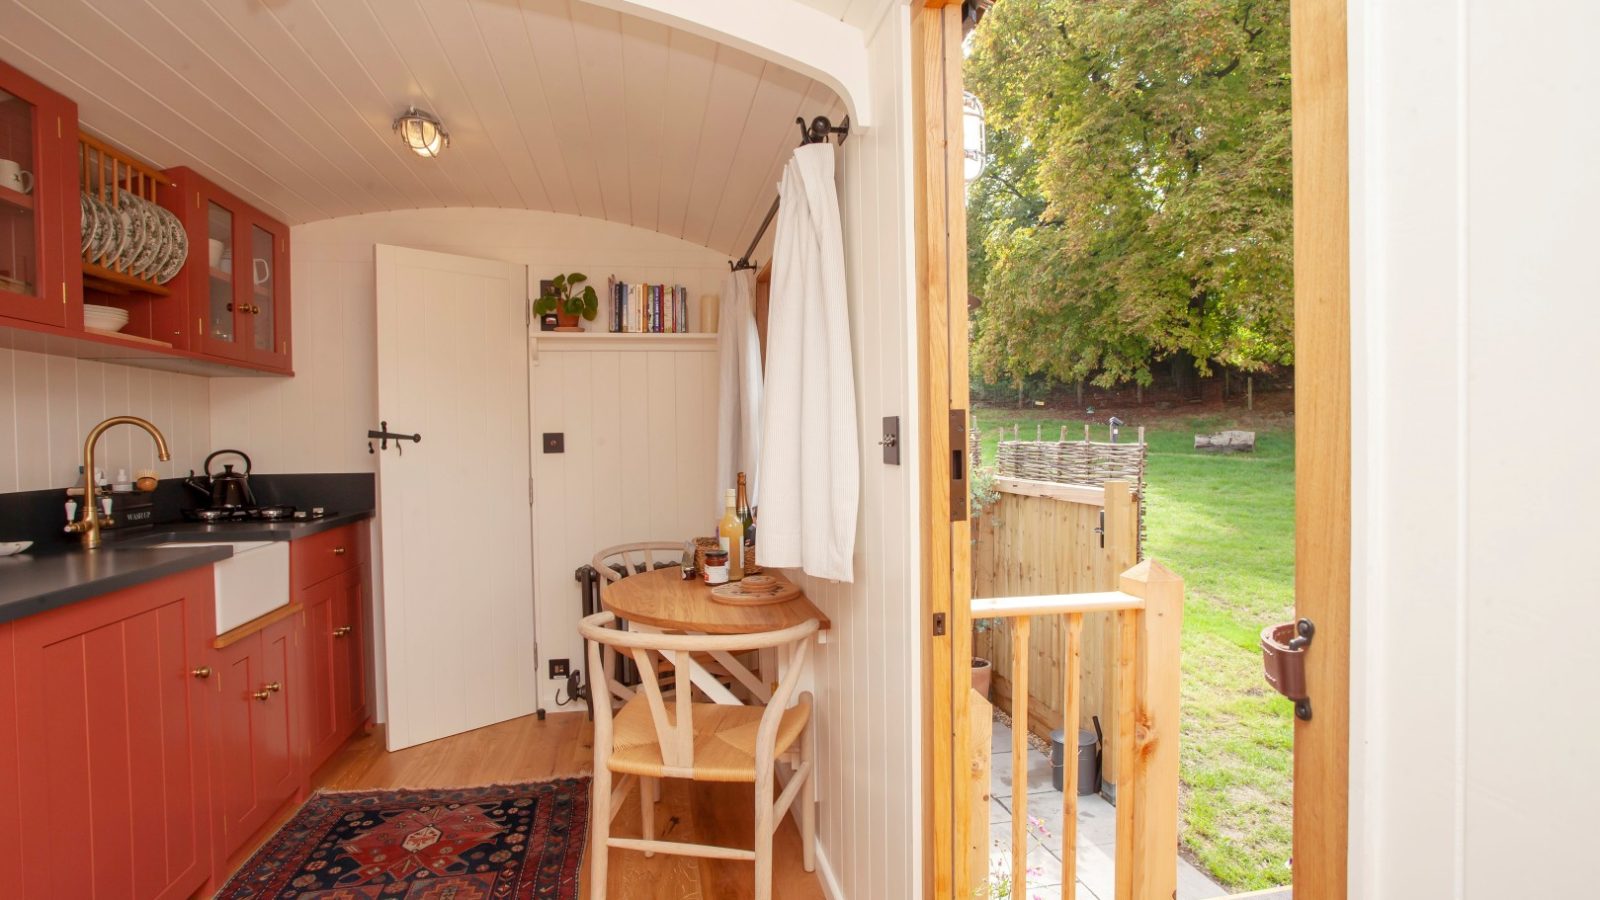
(457, 554)
(941, 260)
(1321, 114)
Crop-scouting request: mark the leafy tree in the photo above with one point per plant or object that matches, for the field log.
(1136, 203)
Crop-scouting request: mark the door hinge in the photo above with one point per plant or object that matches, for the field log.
(530, 491)
(938, 624)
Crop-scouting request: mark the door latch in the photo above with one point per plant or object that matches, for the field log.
(938, 624)
(1283, 656)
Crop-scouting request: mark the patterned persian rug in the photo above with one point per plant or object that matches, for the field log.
(504, 842)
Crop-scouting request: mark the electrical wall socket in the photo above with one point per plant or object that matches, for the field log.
(559, 668)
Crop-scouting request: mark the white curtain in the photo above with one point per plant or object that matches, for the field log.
(739, 388)
(810, 477)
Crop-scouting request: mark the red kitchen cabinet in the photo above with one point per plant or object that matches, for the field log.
(255, 766)
(329, 574)
(111, 738)
(10, 773)
(40, 279)
(237, 308)
(350, 684)
(323, 605)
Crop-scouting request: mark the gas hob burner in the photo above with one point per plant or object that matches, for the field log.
(241, 514)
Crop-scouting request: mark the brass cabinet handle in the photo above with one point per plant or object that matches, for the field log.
(274, 687)
(338, 551)
(263, 696)
(202, 672)
(341, 631)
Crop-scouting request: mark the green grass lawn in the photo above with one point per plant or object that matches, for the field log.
(1226, 524)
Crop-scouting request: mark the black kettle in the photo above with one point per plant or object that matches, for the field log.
(226, 489)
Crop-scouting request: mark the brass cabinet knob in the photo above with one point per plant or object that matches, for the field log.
(262, 695)
(338, 551)
(274, 687)
(202, 672)
(341, 631)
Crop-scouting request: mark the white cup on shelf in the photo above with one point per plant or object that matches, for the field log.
(14, 177)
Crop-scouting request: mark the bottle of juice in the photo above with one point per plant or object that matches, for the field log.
(730, 535)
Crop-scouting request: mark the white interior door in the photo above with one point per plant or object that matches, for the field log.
(457, 554)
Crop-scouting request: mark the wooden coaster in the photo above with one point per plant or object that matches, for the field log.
(756, 590)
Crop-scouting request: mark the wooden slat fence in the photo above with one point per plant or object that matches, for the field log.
(1040, 538)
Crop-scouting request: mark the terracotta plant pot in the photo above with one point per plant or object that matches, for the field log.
(565, 319)
(982, 669)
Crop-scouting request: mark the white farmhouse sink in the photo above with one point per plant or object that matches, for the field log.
(251, 583)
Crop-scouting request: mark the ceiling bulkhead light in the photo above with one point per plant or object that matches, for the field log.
(422, 132)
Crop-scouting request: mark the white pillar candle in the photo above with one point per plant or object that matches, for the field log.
(710, 311)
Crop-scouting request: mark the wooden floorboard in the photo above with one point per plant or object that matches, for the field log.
(527, 749)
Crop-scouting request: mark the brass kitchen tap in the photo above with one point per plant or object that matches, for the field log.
(88, 524)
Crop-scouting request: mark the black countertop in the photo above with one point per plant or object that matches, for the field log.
(37, 581)
(32, 583)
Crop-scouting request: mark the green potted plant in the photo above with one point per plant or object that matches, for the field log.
(563, 296)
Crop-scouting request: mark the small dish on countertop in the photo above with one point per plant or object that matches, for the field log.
(12, 548)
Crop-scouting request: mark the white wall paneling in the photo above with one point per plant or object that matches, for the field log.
(48, 404)
(639, 418)
(555, 105)
(1474, 486)
(868, 674)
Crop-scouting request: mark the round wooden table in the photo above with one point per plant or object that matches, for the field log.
(662, 599)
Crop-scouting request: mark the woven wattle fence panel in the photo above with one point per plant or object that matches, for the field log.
(1072, 462)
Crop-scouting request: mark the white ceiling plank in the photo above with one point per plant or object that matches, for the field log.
(462, 42)
(549, 29)
(503, 28)
(690, 66)
(769, 135)
(551, 104)
(473, 154)
(598, 35)
(114, 91)
(334, 85)
(231, 70)
(646, 47)
(728, 108)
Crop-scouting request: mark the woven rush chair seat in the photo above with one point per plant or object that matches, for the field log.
(724, 740)
(660, 733)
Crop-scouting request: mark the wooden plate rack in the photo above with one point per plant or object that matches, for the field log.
(104, 168)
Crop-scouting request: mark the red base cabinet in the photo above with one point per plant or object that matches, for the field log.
(254, 767)
(111, 740)
(329, 574)
(137, 758)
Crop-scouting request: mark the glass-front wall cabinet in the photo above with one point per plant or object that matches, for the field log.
(221, 325)
(33, 199)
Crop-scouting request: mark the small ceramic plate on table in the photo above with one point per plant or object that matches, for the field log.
(12, 548)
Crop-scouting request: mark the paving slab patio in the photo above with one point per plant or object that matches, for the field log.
(1097, 834)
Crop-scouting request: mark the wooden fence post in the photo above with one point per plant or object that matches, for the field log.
(1121, 553)
(1152, 852)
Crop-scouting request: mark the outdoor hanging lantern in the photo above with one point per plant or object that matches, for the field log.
(422, 132)
(974, 137)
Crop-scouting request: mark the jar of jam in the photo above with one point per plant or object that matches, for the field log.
(716, 571)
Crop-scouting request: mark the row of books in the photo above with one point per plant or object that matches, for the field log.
(648, 308)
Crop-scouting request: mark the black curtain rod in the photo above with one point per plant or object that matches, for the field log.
(819, 131)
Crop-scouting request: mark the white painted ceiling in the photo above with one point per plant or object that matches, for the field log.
(863, 14)
(550, 104)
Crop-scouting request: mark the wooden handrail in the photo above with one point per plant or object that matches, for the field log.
(1149, 615)
(1054, 604)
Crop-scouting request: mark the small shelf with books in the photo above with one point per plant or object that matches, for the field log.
(655, 309)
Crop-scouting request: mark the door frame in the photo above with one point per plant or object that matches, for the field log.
(1321, 171)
